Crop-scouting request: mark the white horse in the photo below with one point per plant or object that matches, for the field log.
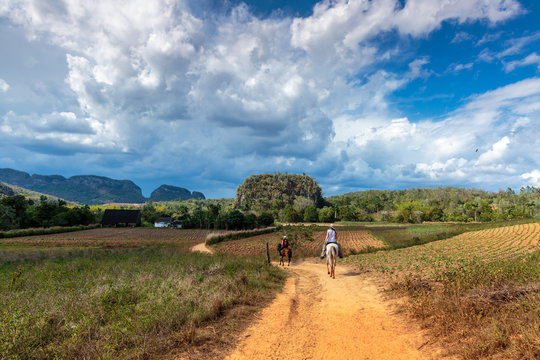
(331, 255)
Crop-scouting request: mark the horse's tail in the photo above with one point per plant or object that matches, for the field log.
(332, 254)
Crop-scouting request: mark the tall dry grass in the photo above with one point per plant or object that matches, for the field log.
(120, 303)
(484, 310)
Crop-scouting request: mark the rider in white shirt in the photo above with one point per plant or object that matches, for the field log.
(331, 237)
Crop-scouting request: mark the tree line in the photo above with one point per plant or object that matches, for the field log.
(18, 212)
(404, 206)
(206, 214)
(437, 204)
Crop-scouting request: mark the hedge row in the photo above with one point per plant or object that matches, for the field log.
(239, 235)
(45, 231)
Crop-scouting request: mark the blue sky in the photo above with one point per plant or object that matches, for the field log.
(381, 94)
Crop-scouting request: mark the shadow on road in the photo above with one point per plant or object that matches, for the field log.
(352, 273)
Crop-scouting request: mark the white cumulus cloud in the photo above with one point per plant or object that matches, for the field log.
(160, 88)
(532, 177)
(4, 86)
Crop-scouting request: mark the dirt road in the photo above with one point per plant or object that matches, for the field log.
(323, 318)
(202, 248)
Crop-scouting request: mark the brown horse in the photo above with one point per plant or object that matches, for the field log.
(285, 252)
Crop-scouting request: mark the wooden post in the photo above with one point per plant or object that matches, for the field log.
(267, 252)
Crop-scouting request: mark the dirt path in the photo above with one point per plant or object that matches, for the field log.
(323, 318)
(202, 248)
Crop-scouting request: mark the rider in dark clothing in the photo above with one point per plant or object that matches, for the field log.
(284, 244)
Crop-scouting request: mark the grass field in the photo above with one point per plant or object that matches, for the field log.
(115, 301)
(478, 292)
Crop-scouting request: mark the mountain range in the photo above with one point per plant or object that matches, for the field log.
(92, 189)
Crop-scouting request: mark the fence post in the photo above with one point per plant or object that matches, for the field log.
(267, 252)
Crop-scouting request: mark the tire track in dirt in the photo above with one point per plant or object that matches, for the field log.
(316, 317)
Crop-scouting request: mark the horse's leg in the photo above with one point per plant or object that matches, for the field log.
(333, 263)
(334, 266)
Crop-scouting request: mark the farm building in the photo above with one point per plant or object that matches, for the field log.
(167, 222)
(121, 218)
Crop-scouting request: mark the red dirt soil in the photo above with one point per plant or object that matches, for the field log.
(323, 318)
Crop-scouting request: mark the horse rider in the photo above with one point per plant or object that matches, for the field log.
(331, 237)
(284, 244)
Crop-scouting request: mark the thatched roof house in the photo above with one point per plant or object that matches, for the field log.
(121, 218)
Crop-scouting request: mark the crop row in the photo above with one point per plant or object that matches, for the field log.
(352, 241)
(456, 252)
(115, 236)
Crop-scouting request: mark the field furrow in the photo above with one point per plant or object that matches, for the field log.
(351, 241)
(505, 242)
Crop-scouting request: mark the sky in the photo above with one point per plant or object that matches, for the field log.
(380, 94)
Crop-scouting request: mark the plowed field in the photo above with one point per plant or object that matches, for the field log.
(467, 248)
(351, 241)
(116, 237)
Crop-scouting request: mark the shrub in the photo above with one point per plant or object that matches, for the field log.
(238, 235)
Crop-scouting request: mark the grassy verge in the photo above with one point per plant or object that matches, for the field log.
(121, 303)
(214, 239)
(485, 310)
(45, 231)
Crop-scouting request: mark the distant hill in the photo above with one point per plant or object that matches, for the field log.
(13, 190)
(5, 190)
(266, 191)
(85, 189)
(169, 192)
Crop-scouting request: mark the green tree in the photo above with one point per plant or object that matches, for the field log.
(233, 220)
(7, 217)
(310, 214)
(149, 213)
(265, 219)
(289, 214)
(250, 221)
(326, 214)
(412, 211)
(19, 204)
(347, 213)
(300, 204)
